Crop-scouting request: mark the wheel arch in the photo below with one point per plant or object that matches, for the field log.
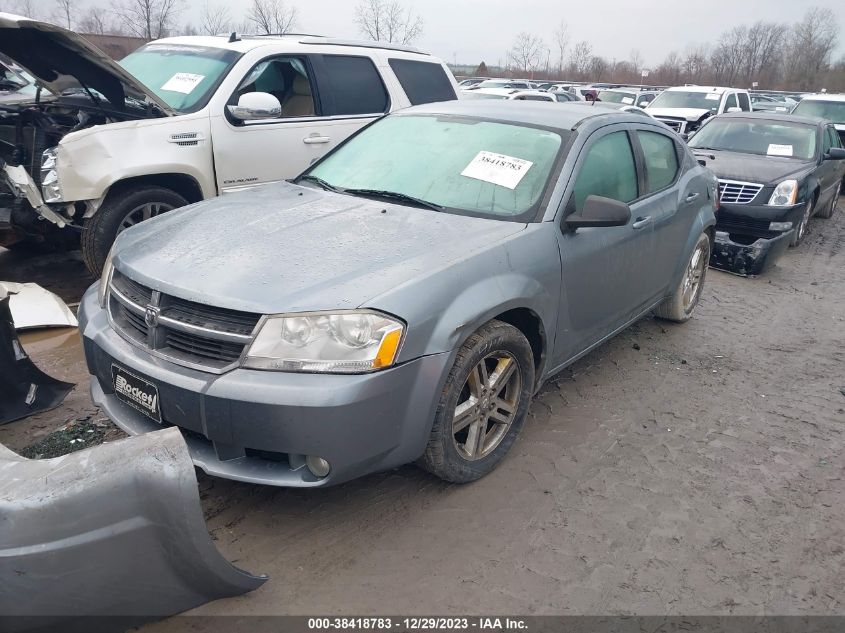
(184, 184)
(531, 325)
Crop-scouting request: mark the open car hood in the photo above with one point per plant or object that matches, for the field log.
(61, 59)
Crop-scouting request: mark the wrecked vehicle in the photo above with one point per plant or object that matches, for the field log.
(826, 106)
(404, 298)
(181, 120)
(775, 171)
(91, 544)
(685, 109)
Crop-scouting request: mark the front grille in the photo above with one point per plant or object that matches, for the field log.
(740, 225)
(189, 333)
(735, 192)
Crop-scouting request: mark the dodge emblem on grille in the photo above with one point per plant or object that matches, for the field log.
(151, 316)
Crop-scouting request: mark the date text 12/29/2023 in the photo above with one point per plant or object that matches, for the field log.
(419, 623)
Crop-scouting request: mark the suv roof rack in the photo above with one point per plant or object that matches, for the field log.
(311, 39)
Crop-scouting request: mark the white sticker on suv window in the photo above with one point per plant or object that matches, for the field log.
(712, 97)
(183, 82)
(498, 169)
(779, 150)
(628, 100)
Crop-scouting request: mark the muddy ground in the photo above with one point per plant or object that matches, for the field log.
(694, 469)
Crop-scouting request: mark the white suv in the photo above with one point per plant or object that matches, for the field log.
(183, 119)
(685, 108)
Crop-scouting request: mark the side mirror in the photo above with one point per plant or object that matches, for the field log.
(599, 211)
(835, 153)
(734, 109)
(256, 106)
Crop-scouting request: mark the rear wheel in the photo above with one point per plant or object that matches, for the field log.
(483, 405)
(831, 208)
(801, 230)
(123, 208)
(681, 304)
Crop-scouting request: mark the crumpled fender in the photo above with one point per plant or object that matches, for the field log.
(115, 531)
(24, 389)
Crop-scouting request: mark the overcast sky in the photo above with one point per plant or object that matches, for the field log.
(476, 30)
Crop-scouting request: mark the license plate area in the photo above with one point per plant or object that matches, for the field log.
(138, 393)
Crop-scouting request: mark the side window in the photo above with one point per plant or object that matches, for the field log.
(353, 86)
(826, 142)
(286, 78)
(730, 102)
(661, 159)
(835, 141)
(423, 82)
(608, 170)
(644, 100)
(744, 103)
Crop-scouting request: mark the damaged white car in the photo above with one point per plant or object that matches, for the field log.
(102, 146)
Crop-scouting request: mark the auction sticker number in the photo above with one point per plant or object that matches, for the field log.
(498, 169)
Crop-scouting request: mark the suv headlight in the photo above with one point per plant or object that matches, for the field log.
(50, 188)
(784, 194)
(343, 342)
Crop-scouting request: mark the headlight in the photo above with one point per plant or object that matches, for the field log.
(327, 342)
(50, 188)
(785, 194)
(105, 278)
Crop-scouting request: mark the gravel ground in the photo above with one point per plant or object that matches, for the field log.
(693, 469)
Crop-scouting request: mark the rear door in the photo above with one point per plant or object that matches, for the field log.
(324, 98)
(605, 270)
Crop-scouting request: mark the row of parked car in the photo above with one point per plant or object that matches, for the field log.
(413, 268)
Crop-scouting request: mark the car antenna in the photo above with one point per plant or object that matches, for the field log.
(234, 37)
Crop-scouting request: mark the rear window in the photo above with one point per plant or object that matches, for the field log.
(354, 86)
(423, 82)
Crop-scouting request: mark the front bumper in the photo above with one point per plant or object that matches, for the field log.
(748, 260)
(258, 426)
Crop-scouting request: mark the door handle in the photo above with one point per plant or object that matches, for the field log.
(641, 222)
(691, 197)
(315, 140)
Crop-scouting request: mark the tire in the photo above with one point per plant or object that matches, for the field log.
(452, 454)
(680, 305)
(800, 231)
(830, 209)
(122, 208)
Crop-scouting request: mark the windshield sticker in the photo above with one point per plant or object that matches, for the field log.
(183, 82)
(779, 150)
(627, 100)
(712, 97)
(498, 169)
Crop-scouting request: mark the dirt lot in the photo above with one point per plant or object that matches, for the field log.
(693, 469)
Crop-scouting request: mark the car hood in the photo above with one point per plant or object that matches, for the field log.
(690, 114)
(60, 59)
(765, 170)
(285, 248)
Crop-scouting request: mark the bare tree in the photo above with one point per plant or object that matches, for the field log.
(63, 13)
(561, 40)
(215, 19)
(580, 58)
(272, 16)
(636, 60)
(598, 68)
(811, 46)
(24, 7)
(150, 19)
(95, 21)
(388, 21)
(526, 54)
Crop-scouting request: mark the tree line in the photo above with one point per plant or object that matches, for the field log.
(774, 55)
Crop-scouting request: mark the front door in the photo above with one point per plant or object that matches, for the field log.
(605, 269)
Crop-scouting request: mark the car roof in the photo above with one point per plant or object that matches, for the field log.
(563, 116)
(774, 116)
(713, 89)
(825, 97)
(246, 43)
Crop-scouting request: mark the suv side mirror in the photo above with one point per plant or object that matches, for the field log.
(600, 211)
(256, 106)
(835, 153)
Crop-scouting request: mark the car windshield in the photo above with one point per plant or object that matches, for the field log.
(764, 138)
(614, 96)
(687, 99)
(833, 110)
(181, 76)
(465, 165)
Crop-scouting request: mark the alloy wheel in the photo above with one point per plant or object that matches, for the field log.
(694, 275)
(143, 212)
(805, 220)
(487, 405)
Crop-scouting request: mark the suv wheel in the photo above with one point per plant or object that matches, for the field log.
(681, 303)
(801, 230)
(483, 405)
(123, 208)
(831, 208)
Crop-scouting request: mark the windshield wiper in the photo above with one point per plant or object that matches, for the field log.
(319, 181)
(395, 195)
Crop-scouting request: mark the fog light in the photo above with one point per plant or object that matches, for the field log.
(780, 226)
(318, 466)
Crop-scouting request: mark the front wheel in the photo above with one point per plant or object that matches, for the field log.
(801, 230)
(122, 209)
(682, 302)
(483, 405)
(829, 210)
